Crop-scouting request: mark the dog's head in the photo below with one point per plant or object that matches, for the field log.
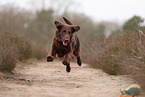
(65, 32)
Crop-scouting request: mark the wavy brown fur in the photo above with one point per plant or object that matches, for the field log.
(65, 43)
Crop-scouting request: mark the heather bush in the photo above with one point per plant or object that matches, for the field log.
(39, 52)
(13, 48)
(119, 54)
(23, 47)
(92, 48)
(8, 52)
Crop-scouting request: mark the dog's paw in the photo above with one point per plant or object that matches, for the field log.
(65, 63)
(68, 69)
(49, 59)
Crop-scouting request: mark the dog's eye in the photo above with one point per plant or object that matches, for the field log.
(64, 31)
(69, 32)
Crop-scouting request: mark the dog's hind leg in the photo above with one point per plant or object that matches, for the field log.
(68, 69)
(79, 61)
(78, 58)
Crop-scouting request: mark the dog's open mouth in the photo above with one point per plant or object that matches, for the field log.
(65, 43)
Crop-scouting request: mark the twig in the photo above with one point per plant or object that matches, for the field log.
(141, 33)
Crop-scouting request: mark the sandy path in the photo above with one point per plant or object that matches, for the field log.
(51, 80)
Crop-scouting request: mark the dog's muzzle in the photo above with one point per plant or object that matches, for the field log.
(65, 42)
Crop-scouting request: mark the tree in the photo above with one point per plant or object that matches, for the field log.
(132, 25)
(41, 29)
(100, 28)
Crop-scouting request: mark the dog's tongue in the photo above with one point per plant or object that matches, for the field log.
(64, 43)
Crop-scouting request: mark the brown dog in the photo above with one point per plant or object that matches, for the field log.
(65, 43)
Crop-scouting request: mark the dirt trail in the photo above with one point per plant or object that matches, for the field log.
(51, 80)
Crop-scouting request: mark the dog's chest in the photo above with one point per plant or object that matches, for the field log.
(62, 50)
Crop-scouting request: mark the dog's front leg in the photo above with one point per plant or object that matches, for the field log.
(52, 53)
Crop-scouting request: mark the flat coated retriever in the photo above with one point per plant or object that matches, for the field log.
(65, 44)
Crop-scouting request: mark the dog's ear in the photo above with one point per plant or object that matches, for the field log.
(75, 28)
(67, 21)
(58, 25)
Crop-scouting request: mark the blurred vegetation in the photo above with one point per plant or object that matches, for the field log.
(122, 52)
(41, 28)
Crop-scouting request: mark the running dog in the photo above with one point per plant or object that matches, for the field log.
(65, 44)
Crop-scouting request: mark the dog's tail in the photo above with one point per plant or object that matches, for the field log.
(67, 21)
